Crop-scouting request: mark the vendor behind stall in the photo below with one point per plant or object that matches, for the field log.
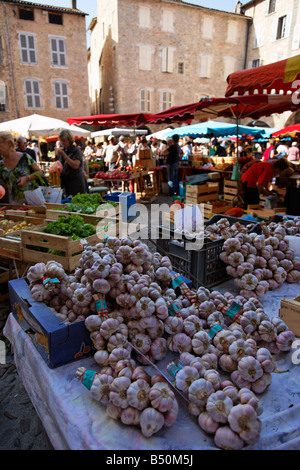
(73, 180)
(19, 172)
(256, 179)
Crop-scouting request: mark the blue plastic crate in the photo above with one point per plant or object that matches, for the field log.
(126, 201)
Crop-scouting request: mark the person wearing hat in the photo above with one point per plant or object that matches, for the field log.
(293, 152)
(256, 179)
(112, 153)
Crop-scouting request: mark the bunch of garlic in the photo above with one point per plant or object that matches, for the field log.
(222, 229)
(223, 411)
(259, 263)
(132, 396)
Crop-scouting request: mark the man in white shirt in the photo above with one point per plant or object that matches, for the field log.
(112, 153)
(124, 151)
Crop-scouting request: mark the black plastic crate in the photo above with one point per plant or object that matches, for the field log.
(204, 267)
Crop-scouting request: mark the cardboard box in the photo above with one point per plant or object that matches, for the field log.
(290, 313)
(57, 343)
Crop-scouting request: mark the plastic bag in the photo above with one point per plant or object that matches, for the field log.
(35, 197)
(56, 167)
(52, 195)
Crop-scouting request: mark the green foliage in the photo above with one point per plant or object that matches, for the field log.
(72, 226)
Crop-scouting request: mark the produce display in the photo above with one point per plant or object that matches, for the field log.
(137, 312)
(10, 226)
(84, 204)
(259, 263)
(72, 226)
(113, 175)
(222, 229)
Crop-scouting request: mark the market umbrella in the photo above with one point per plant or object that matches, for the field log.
(289, 131)
(218, 129)
(111, 119)
(117, 131)
(237, 107)
(160, 135)
(279, 76)
(37, 125)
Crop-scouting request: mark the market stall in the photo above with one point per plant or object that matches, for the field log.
(219, 357)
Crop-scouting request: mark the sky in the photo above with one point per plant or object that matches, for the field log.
(90, 6)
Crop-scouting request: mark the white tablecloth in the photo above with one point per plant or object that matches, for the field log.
(73, 420)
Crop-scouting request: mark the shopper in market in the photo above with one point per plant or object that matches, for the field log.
(73, 180)
(173, 153)
(293, 153)
(112, 153)
(256, 179)
(19, 172)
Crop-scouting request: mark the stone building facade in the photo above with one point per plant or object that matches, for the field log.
(149, 55)
(43, 61)
(274, 35)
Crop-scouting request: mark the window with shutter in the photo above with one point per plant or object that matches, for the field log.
(281, 27)
(167, 60)
(144, 17)
(27, 48)
(145, 99)
(32, 93)
(205, 66)
(166, 99)
(168, 21)
(58, 52)
(61, 95)
(232, 32)
(207, 28)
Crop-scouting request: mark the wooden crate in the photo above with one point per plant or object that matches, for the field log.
(231, 188)
(92, 219)
(211, 209)
(71, 249)
(259, 211)
(10, 244)
(197, 194)
(290, 313)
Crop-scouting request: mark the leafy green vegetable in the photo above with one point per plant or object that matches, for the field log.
(72, 226)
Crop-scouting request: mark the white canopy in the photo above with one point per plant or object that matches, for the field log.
(160, 135)
(37, 125)
(119, 131)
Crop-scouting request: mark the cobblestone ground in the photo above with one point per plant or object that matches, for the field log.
(20, 426)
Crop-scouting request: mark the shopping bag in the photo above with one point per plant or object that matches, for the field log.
(52, 195)
(35, 197)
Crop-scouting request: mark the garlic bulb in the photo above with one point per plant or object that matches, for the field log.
(201, 343)
(101, 387)
(130, 416)
(250, 369)
(240, 348)
(262, 384)
(213, 377)
(226, 439)
(158, 349)
(151, 421)
(118, 392)
(244, 421)
(249, 321)
(174, 325)
(284, 341)
(172, 414)
(267, 331)
(199, 391)
(161, 397)
(247, 397)
(182, 343)
(218, 406)
(138, 394)
(185, 377)
(207, 423)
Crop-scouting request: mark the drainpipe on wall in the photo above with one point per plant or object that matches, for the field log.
(12, 64)
(247, 42)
